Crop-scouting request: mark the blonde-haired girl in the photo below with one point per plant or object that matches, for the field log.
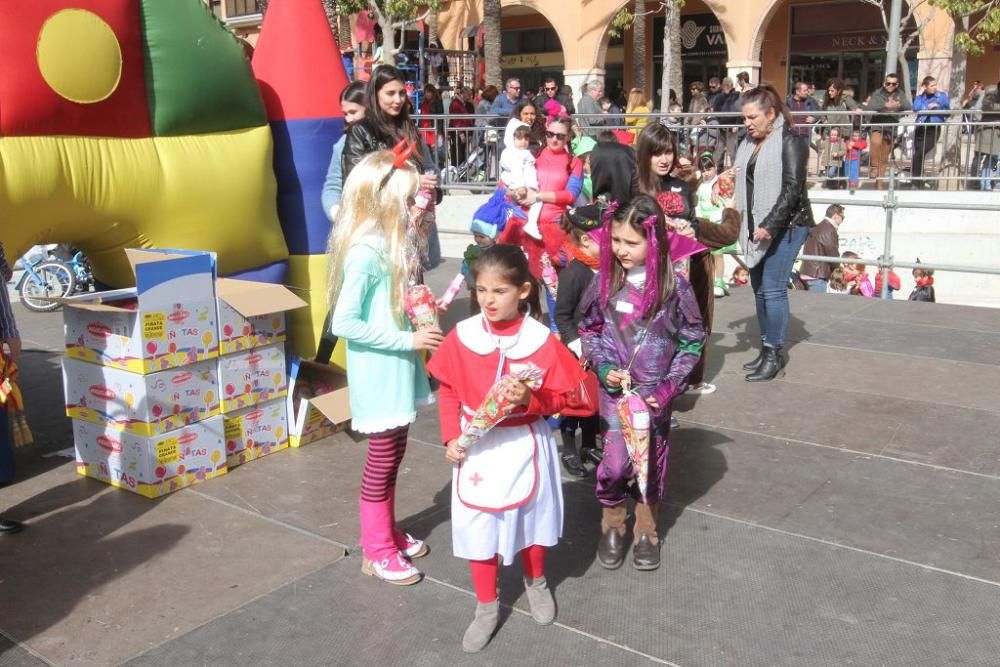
(369, 267)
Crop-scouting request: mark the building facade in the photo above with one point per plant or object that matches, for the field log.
(779, 41)
(772, 40)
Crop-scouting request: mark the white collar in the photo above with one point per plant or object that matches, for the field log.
(474, 336)
(636, 275)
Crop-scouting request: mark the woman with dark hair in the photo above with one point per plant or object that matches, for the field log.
(837, 104)
(673, 180)
(387, 121)
(928, 104)
(773, 201)
(560, 181)
(525, 112)
(352, 102)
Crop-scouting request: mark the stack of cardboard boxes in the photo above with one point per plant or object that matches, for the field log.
(252, 373)
(146, 386)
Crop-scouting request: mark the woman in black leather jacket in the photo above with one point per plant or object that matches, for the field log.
(773, 201)
(387, 120)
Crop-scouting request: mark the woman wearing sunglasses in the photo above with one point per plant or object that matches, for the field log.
(560, 180)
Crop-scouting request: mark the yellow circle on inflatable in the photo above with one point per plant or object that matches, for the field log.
(79, 56)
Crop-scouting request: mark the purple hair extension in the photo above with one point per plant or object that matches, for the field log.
(607, 254)
(651, 291)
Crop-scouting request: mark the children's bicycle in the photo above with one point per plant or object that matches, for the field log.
(45, 277)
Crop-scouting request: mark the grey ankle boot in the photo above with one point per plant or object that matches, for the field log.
(483, 625)
(540, 601)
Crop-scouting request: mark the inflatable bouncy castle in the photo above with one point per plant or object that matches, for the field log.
(141, 124)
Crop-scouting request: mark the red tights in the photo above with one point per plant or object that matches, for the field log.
(484, 572)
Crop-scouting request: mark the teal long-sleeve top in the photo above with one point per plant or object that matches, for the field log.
(384, 372)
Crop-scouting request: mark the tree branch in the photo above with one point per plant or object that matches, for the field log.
(411, 21)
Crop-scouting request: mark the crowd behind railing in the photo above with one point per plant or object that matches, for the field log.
(850, 148)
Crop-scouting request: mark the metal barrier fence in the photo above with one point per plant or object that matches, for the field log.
(961, 153)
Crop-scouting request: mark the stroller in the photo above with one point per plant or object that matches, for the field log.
(481, 163)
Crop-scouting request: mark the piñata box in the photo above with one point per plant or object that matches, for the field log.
(318, 402)
(155, 466)
(255, 432)
(141, 404)
(169, 319)
(252, 314)
(252, 377)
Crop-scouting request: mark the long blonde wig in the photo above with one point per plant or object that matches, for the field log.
(369, 208)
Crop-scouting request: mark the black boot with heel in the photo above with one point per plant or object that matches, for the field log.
(772, 365)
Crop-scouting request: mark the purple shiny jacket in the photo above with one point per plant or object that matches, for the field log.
(669, 352)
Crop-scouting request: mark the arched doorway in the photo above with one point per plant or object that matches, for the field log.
(530, 47)
(817, 41)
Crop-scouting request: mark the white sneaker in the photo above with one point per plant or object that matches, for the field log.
(701, 388)
(719, 292)
(393, 570)
(410, 546)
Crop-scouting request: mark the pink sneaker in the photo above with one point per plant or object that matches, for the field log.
(410, 546)
(393, 570)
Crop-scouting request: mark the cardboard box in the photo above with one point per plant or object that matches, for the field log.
(167, 320)
(155, 466)
(318, 402)
(255, 432)
(252, 314)
(141, 404)
(252, 377)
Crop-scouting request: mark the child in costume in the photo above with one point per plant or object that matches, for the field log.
(369, 267)
(643, 332)
(488, 221)
(924, 290)
(518, 174)
(856, 145)
(836, 150)
(856, 275)
(506, 494)
(583, 226)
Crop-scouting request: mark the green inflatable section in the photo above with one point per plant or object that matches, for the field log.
(197, 78)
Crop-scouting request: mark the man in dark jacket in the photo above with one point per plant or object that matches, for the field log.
(10, 344)
(804, 107)
(823, 241)
(885, 105)
(728, 112)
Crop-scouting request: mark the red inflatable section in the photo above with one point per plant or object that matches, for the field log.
(29, 107)
(297, 62)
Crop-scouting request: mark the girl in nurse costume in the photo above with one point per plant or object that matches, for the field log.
(369, 261)
(506, 496)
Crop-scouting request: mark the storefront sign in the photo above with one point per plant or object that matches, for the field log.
(701, 35)
(869, 40)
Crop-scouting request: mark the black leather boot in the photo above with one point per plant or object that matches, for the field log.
(771, 366)
(753, 365)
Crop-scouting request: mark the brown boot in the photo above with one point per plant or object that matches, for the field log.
(646, 552)
(611, 548)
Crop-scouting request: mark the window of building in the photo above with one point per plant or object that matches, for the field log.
(531, 40)
(242, 8)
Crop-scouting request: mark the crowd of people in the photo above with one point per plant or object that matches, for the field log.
(849, 137)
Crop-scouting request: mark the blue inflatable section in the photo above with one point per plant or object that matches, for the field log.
(302, 152)
(269, 273)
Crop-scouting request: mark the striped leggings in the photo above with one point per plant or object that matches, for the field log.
(385, 453)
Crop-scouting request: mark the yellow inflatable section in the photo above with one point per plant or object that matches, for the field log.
(105, 194)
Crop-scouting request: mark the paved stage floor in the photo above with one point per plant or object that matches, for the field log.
(845, 515)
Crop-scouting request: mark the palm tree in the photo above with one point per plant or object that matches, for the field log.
(673, 78)
(491, 42)
(639, 46)
(432, 27)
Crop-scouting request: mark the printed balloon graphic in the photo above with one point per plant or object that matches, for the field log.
(216, 456)
(151, 347)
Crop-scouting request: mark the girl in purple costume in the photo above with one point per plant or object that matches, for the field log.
(642, 323)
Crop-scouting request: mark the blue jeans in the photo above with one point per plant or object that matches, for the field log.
(769, 280)
(853, 168)
(817, 285)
